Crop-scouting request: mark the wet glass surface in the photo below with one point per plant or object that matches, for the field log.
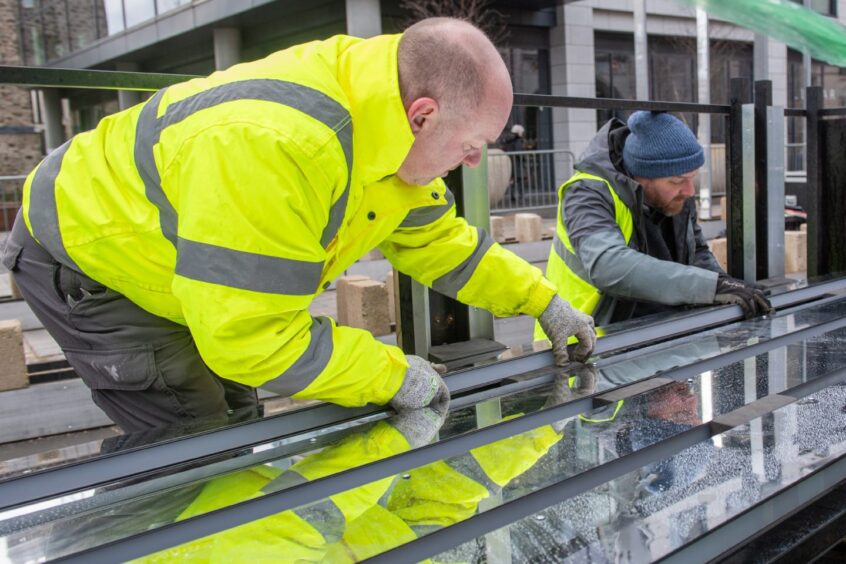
(647, 514)
(447, 491)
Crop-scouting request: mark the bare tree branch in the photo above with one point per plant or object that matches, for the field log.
(477, 12)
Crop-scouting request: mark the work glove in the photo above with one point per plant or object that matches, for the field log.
(418, 426)
(422, 387)
(559, 321)
(577, 381)
(750, 298)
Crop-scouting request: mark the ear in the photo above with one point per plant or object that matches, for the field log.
(422, 113)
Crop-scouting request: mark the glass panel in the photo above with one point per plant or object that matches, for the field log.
(138, 11)
(444, 492)
(82, 23)
(56, 30)
(32, 33)
(114, 16)
(163, 6)
(646, 514)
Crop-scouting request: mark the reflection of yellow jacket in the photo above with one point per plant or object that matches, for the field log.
(352, 526)
(228, 203)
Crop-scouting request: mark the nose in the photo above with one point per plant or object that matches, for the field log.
(688, 189)
(473, 158)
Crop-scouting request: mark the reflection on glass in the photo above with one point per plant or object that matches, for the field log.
(163, 6)
(450, 490)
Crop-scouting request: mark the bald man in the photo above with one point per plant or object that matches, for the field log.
(173, 251)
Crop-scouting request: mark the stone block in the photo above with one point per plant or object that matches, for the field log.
(498, 228)
(13, 364)
(723, 214)
(341, 296)
(718, 249)
(803, 227)
(367, 306)
(528, 227)
(392, 296)
(795, 251)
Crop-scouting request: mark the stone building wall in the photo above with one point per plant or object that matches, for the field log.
(19, 152)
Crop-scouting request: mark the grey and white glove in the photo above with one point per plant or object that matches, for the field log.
(422, 387)
(750, 298)
(559, 321)
(418, 426)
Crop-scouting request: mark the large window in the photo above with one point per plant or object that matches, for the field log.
(529, 69)
(672, 72)
(52, 29)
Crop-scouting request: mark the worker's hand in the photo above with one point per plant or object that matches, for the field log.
(559, 321)
(577, 381)
(751, 299)
(418, 426)
(422, 387)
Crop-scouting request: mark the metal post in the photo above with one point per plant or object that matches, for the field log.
(761, 58)
(775, 192)
(364, 18)
(740, 94)
(413, 327)
(748, 220)
(477, 211)
(128, 98)
(641, 51)
(54, 131)
(763, 99)
(704, 82)
(227, 47)
(817, 240)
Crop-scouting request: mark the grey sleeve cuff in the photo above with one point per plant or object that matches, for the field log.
(615, 269)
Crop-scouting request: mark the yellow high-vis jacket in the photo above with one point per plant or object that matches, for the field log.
(228, 203)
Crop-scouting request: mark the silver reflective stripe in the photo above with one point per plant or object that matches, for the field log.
(339, 208)
(303, 98)
(310, 364)
(428, 214)
(146, 136)
(326, 517)
(453, 281)
(43, 214)
(245, 270)
(571, 260)
(468, 466)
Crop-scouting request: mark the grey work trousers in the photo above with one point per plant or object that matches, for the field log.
(144, 371)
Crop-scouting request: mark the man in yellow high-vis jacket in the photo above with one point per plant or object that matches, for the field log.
(173, 251)
(627, 243)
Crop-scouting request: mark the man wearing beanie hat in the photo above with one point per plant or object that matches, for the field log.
(627, 243)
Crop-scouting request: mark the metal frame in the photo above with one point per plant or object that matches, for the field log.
(226, 518)
(146, 459)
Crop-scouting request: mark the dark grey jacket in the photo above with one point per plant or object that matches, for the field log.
(667, 262)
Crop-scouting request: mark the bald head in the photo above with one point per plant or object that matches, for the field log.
(453, 62)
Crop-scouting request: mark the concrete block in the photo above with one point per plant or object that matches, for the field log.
(795, 251)
(803, 227)
(374, 254)
(718, 249)
(367, 306)
(392, 296)
(16, 292)
(498, 228)
(528, 227)
(341, 295)
(13, 366)
(723, 214)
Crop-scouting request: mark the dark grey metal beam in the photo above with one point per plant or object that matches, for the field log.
(41, 77)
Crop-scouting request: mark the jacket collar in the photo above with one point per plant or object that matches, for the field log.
(604, 157)
(382, 137)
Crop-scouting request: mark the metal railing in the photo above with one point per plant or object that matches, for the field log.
(521, 180)
(11, 192)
